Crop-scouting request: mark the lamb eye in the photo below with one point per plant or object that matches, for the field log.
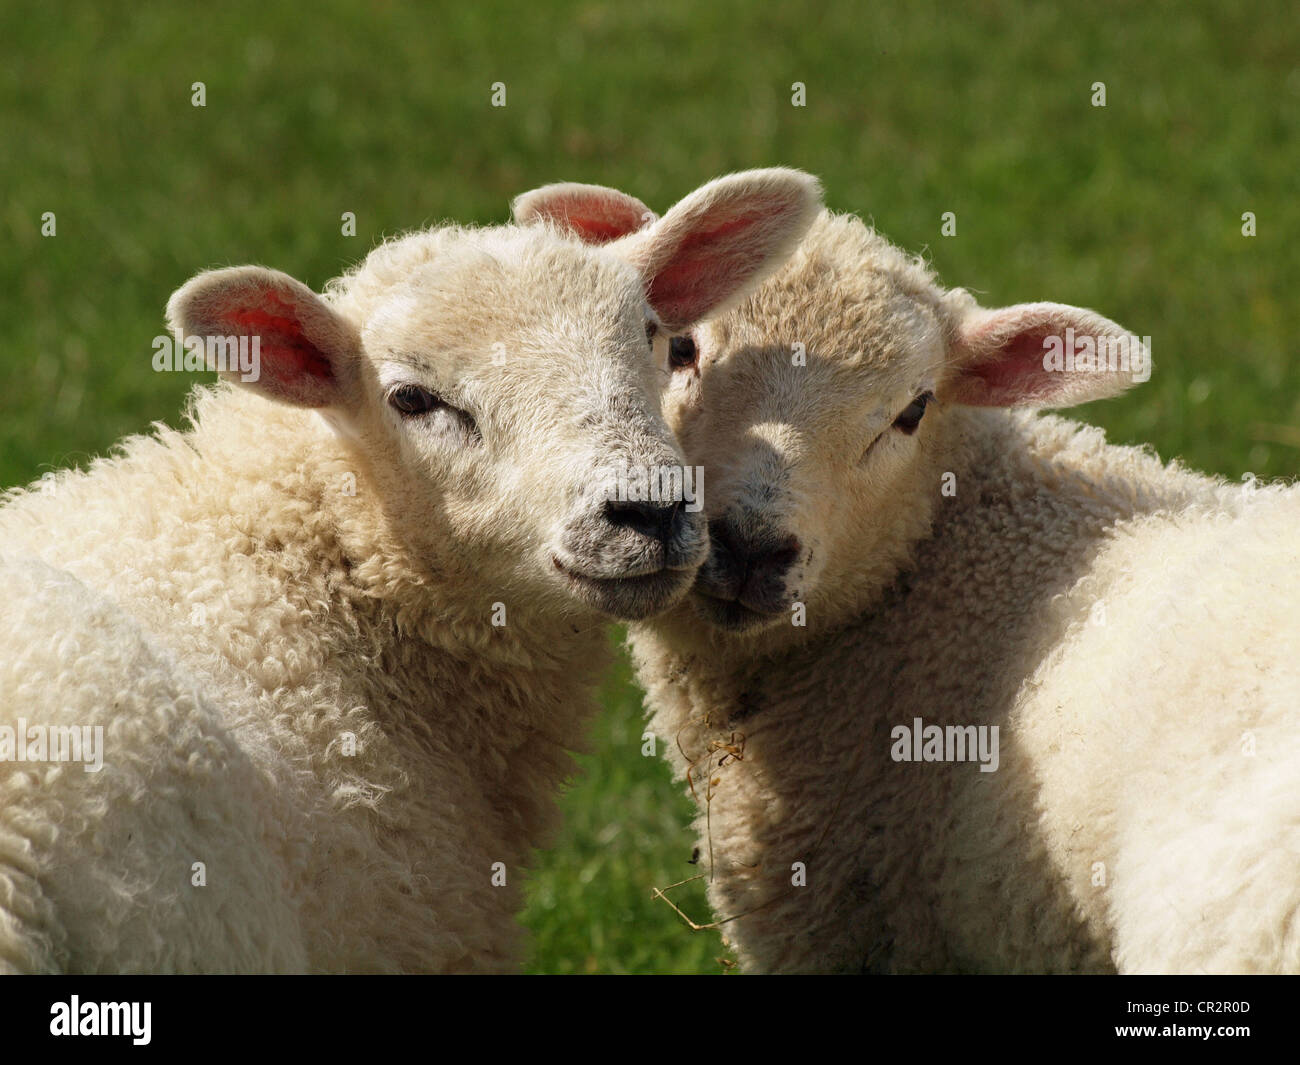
(911, 417)
(412, 400)
(682, 352)
(651, 331)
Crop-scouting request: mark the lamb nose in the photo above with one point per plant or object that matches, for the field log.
(657, 521)
(769, 559)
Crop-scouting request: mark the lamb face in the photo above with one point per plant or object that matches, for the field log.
(825, 409)
(498, 384)
(805, 405)
(533, 361)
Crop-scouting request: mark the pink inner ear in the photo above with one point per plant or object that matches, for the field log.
(599, 220)
(1002, 358)
(596, 231)
(1017, 370)
(285, 352)
(702, 267)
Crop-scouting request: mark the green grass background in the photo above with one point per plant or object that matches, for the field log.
(914, 109)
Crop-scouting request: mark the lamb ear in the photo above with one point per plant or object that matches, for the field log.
(304, 352)
(1042, 355)
(593, 213)
(715, 245)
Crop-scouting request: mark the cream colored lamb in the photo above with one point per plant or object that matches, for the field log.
(1106, 649)
(331, 652)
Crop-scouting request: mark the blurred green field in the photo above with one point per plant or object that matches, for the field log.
(912, 110)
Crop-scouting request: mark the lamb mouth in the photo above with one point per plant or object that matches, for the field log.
(732, 614)
(632, 598)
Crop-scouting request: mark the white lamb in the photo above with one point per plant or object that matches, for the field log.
(901, 566)
(338, 662)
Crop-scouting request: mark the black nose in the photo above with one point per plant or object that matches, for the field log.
(657, 521)
(751, 568)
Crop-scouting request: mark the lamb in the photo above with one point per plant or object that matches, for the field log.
(333, 665)
(902, 558)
